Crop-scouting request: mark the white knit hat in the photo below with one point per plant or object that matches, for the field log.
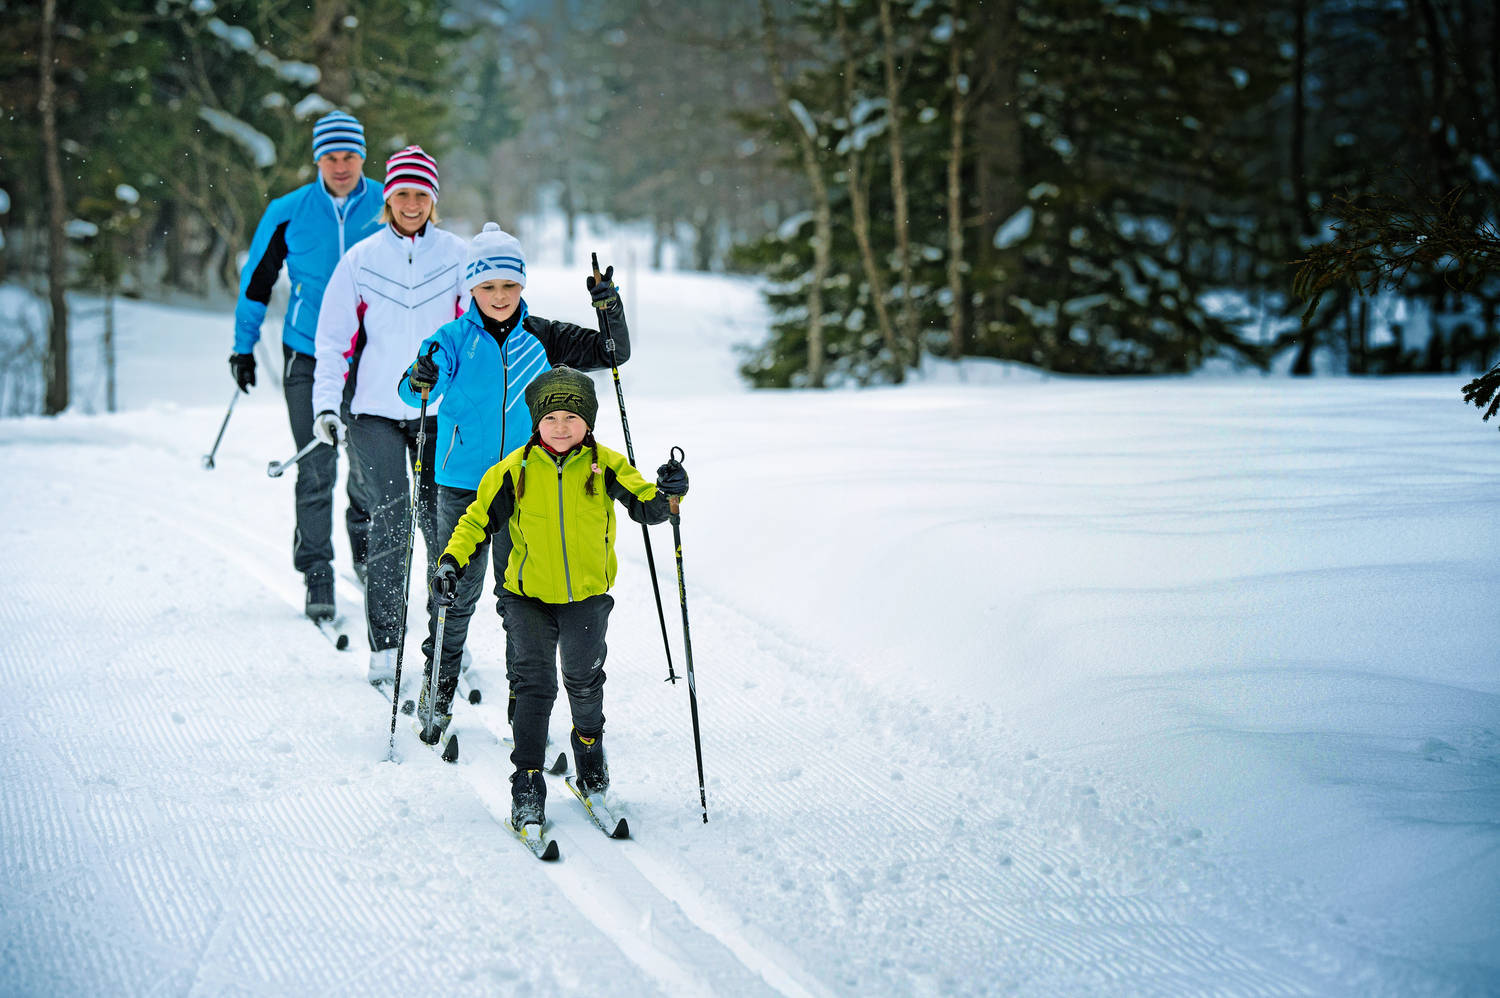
(494, 255)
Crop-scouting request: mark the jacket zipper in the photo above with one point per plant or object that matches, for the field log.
(562, 531)
(455, 438)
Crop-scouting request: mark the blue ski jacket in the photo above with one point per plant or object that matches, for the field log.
(483, 383)
(304, 230)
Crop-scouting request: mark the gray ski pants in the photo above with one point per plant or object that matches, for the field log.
(312, 541)
(451, 504)
(385, 449)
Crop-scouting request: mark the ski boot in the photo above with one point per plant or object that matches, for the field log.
(528, 798)
(441, 718)
(319, 605)
(589, 763)
(382, 666)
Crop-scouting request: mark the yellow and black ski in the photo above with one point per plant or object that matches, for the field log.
(535, 838)
(598, 812)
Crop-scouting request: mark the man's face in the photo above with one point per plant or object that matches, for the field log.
(340, 171)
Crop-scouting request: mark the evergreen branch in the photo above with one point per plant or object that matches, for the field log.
(1380, 238)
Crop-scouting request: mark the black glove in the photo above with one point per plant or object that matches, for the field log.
(602, 287)
(671, 479)
(242, 366)
(445, 581)
(423, 374)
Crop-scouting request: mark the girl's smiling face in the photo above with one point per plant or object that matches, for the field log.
(562, 430)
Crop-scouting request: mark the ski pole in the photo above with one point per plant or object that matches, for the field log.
(411, 530)
(278, 468)
(208, 459)
(687, 639)
(609, 344)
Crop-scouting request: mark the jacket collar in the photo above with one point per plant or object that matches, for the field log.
(416, 243)
(474, 319)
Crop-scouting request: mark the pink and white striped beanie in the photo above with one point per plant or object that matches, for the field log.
(411, 169)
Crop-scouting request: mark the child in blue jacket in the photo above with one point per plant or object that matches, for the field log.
(480, 368)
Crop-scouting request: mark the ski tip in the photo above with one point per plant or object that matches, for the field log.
(475, 696)
(342, 643)
(560, 766)
(622, 830)
(551, 853)
(450, 751)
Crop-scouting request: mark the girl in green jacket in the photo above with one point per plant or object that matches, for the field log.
(556, 497)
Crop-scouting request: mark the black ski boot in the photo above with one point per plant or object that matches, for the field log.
(589, 764)
(442, 716)
(528, 798)
(319, 604)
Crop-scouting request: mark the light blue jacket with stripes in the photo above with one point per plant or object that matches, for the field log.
(483, 383)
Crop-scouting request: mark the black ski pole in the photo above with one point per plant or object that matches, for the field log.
(687, 638)
(609, 344)
(411, 532)
(208, 459)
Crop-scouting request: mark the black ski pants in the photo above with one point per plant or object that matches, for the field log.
(535, 634)
(386, 448)
(451, 504)
(312, 541)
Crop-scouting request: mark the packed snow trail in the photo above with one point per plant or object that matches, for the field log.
(196, 801)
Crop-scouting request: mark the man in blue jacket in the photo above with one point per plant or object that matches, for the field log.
(309, 230)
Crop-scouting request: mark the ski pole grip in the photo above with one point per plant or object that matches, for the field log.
(431, 349)
(676, 454)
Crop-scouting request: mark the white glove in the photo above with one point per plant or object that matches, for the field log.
(329, 428)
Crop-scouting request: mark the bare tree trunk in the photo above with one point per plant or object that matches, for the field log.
(330, 44)
(898, 186)
(822, 212)
(955, 189)
(56, 365)
(996, 129)
(859, 203)
(1302, 363)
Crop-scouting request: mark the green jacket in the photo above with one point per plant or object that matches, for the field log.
(562, 540)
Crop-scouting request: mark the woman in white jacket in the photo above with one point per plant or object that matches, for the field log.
(388, 294)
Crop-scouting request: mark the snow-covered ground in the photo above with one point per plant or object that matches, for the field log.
(1009, 684)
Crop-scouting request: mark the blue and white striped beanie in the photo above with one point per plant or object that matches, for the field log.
(494, 255)
(337, 131)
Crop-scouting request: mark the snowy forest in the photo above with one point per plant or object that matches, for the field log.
(1088, 187)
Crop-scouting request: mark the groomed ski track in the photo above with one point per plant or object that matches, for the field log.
(195, 801)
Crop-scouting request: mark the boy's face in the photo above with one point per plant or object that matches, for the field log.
(497, 299)
(562, 430)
